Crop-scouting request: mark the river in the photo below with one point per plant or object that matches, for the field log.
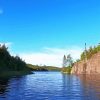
(50, 86)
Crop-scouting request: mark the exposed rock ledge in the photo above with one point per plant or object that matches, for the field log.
(91, 66)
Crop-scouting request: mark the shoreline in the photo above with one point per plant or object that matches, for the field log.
(14, 73)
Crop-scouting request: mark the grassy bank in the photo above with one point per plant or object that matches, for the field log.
(11, 65)
(66, 70)
(14, 73)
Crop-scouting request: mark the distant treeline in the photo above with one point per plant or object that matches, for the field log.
(91, 51)
(11, 63)
(14, 65)
(43, 68)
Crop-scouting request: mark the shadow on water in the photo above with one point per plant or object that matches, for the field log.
(4, 85)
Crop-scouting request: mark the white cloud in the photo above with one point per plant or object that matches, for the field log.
(51, 56)
(7, 44)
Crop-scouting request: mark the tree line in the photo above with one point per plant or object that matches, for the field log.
(90, 52)
(43, 68)
(67, 64)
(11, 63)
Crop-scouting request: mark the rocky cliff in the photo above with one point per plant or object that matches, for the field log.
(90, 66)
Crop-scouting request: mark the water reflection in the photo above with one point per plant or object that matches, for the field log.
(66, 80)
(3, 85)
(91, 86)
(72, 87)
(50, 86)
(82, 87)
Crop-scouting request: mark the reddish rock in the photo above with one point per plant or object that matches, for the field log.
(91, 66)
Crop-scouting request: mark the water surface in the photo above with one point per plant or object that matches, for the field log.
(50, 86)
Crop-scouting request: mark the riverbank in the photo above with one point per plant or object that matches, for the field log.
(90, 66)
(43, 68)
(66, 70)
(14, 73)
(11, 65)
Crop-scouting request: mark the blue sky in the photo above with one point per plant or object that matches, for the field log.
(33, 26)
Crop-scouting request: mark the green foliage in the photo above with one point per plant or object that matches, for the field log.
(91, 51)
(64, 61)
(43, 68)
(67, 61)
(10, 63)
(66, 70)
(83, 56)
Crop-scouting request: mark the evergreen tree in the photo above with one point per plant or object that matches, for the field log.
(69, 61)
(91, 51)
(64, 61)
(10, 63)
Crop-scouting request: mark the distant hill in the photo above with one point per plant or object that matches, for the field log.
(43, 68)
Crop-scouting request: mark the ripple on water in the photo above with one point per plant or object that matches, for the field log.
(50, 86)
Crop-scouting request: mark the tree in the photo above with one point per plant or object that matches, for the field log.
(91, 51)
(64, 61)
(69, 61)
(10, 63)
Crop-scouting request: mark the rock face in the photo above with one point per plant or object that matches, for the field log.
(91, 66)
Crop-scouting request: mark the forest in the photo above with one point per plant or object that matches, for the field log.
(14, 65)
(90, 52)
(11, 64)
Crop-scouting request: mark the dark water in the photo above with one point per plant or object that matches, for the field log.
(50, 86)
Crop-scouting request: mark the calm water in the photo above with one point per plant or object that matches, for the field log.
(50, 86)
